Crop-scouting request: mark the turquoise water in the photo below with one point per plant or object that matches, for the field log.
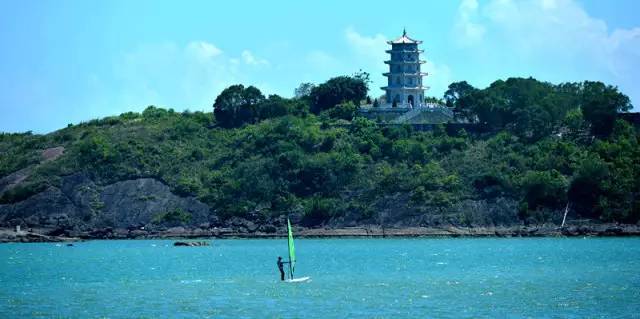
(383, 278)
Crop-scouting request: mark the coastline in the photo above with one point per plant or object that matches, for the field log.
(594, 230)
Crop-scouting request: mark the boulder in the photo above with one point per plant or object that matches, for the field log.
(191, 243)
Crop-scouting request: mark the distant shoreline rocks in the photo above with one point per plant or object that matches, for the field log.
(371, 231)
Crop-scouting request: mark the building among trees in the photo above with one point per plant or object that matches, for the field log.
(404, 101)
(404, 79)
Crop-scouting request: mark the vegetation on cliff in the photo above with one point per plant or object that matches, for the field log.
(533, 143)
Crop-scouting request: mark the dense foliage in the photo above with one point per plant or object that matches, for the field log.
(533, 110)
(337, 90)
(545, 146)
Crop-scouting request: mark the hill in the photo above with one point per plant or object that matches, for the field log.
(542, 148)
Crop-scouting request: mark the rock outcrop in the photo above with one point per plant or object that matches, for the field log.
(80, 204)
(191, 243)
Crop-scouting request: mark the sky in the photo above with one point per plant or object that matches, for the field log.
(65, 61)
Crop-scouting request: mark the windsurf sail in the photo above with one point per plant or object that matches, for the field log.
(292, 250)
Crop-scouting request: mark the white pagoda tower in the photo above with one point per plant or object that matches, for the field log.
(404, 79)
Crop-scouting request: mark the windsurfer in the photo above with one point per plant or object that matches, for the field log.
(281, 267)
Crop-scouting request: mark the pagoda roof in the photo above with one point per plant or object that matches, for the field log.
(406, 74)
(404, 39)
(404, 51)
(405, 62)
(420, 87)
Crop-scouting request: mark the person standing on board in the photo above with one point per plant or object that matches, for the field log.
(281, 267)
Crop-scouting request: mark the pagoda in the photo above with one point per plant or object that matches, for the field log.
(404, 79)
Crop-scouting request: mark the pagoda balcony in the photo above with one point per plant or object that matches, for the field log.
(405, 62)
(406, 74)
(404, 51)
(405, 87)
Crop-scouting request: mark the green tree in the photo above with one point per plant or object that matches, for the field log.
(527, 107)
(237, 105)
(276, 106)
(434, 100)
(459, 97)
(544, 189)
(600, 106)
(363, 76)
(574, 123)
(587, 185)
(335, 91)
(345, 111)
(303, 90)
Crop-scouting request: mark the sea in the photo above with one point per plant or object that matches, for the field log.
(350, 278)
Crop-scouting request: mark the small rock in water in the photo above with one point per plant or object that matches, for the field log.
(191, 243)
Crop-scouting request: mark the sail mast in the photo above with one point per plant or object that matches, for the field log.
(292, 250)
(566, 211)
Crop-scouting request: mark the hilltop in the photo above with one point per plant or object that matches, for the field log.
(535, 150)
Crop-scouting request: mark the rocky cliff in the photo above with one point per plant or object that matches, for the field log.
(81, 204)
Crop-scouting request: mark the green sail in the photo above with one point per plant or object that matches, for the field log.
(292, 249)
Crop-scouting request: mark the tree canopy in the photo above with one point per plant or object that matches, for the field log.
(237, 105)
(337, 90)
(533, 109)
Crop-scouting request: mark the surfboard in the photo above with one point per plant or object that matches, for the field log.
(298, 280)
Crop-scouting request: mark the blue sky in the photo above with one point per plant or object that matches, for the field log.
(65, 62)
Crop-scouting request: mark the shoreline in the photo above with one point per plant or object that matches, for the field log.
(595, 230)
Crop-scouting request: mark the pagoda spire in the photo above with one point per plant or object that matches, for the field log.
(404, 32)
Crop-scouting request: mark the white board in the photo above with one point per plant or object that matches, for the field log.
(301, 279)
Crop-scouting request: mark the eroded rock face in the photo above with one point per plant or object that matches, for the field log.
(12, 180)
(137, 202)
(51, 154)
(80, 203)
(399, 211)
(49, 208)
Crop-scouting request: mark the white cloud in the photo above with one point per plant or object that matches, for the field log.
(557, 34)
(321, 60)
(467, 31)
(188, 76)
(370, 48)
(250, 59)
(203, 50)
(438, 79)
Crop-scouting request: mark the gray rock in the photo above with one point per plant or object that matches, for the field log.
(191, 243)
(51, 208)
(139, 201)
(80, 203)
